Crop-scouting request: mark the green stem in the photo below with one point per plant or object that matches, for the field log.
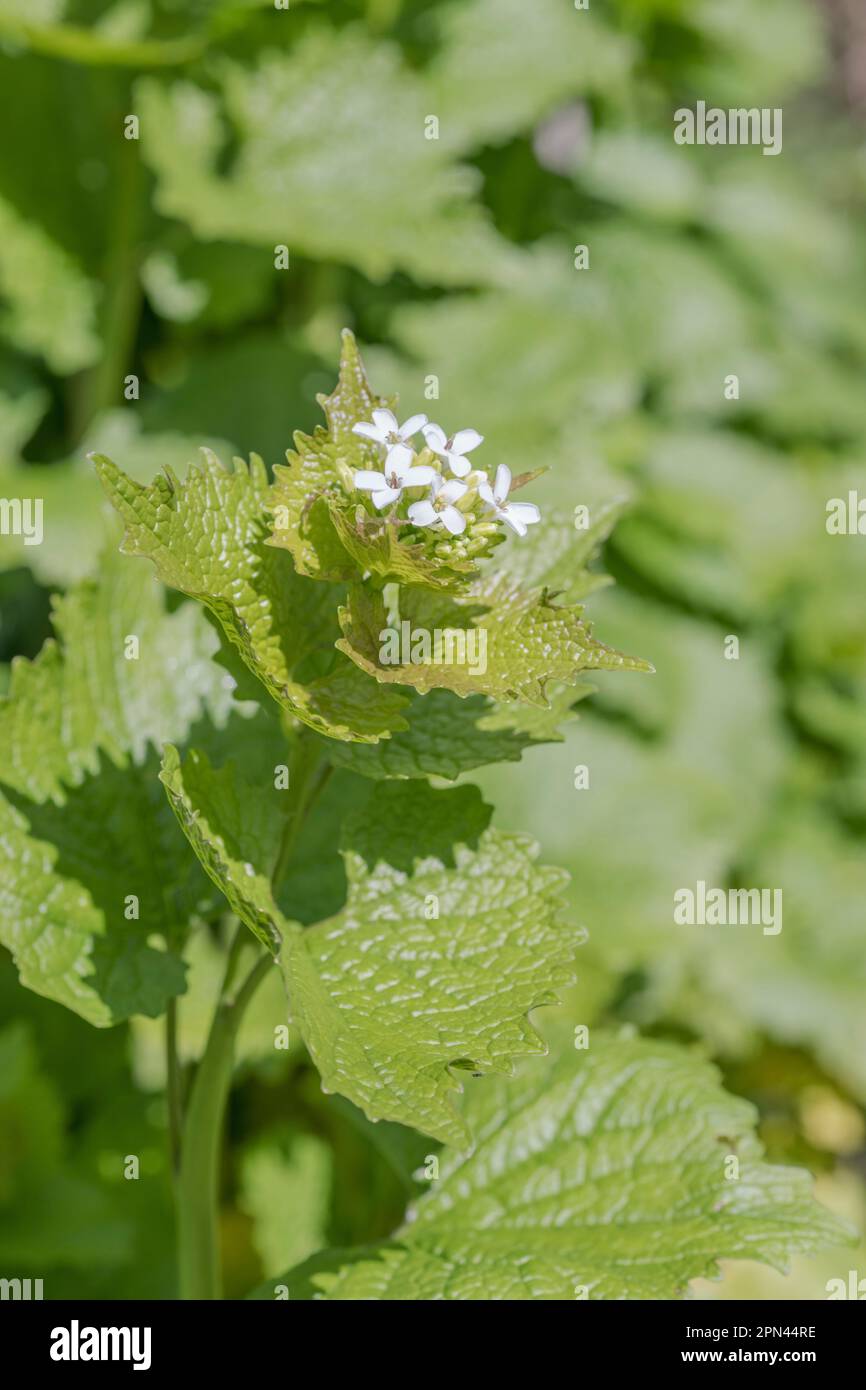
(198, 1180)
(173, 1086)
(307, 777)
(198, 1184)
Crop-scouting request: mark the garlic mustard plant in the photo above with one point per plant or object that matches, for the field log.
(277, 760)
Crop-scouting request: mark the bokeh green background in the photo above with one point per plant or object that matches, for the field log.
(453, 258)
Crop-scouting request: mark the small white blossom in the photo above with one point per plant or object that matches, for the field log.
(398, 474)
(384, 429)
(452, 450)
(517, 515)
(439, 506)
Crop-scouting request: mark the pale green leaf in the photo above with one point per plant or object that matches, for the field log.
(83, 695)
(48, 306)
(693, 532)
(557, 554)
(564, 52)
(419, 973)
(335, 123)
(391, 999)
(77, 522)
(236, 832)
(516, 641)
(663, 809)
(285, 1189)
(376, 545)
(206, 537)
(603, 1174)
(77, 731)
(318, 466)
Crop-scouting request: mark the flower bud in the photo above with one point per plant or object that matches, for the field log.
(346, 476)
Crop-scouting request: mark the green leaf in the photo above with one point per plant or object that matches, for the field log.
(285, 1189)
(62, 910)
(405, 821)
(419, 973)
(304, 524)
(781, 46)
(644, 172)
(692, 533)
(665, 808)
(78, 524)
(49, 306)
(600, 1174)
(561, 54)
(206, 537)
(516, 641)
(375, 544)
(313, 885)
(390, 999)
(541, 724)
(236, 833)
(556, 555)
(87, 692)
(533, 366)
(76, 736)
(303, 158)
(446, 736)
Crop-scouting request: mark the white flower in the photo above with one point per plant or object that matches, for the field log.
(385, 429)
(517, 515)
(439, 506)
(398, 474)
(452, 450)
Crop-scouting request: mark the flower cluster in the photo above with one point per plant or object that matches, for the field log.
(459, 500)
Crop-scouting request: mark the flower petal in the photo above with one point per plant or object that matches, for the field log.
(502, 483)
(423, 513)
(386, 421)
(368, 431)
(385, 495)
(368, 481)
(412, 426)
(399, 458)
(459, 466)
(419, 477)
(507, 515)
(527, 512)
(436, 438)
(465, 441)
(485, 492)
(452, 520)
(452, 491)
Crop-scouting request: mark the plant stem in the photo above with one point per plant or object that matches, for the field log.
(198, 1185)
(306, 787)
(173, 1086)
(198, 1179)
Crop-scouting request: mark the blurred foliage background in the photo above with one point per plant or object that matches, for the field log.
(454, 257)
